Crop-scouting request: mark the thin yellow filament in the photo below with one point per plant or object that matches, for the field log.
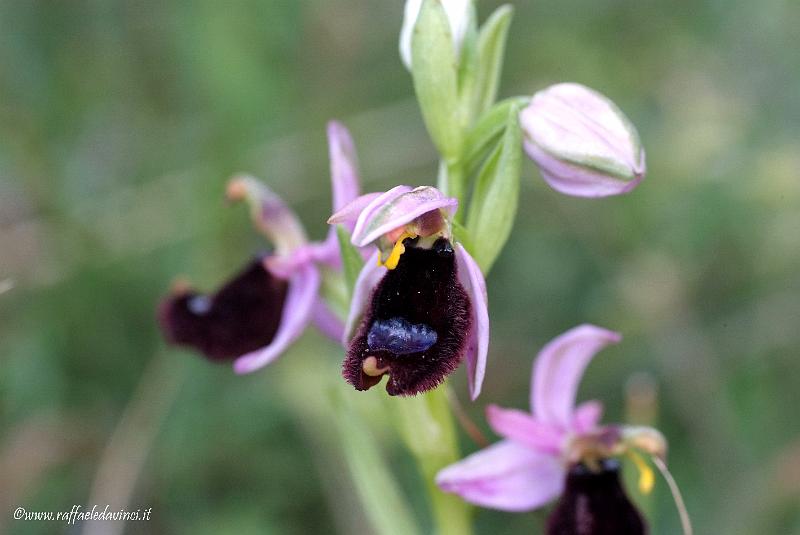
(398, 249)
(646, 476)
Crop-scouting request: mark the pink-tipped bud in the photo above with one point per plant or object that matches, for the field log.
(583, 144)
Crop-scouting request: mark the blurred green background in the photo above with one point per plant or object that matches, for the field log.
(121, 121)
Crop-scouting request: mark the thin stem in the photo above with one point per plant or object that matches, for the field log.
(469, 427)
(426, 424)
(450, 514)
(344, 441)
(127, 449)
(686, 522)
(451, 181)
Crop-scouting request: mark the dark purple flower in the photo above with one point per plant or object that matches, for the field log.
(263, 309)
(558, 449)
(419, 306)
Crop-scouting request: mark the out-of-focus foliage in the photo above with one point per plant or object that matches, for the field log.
(120, 121)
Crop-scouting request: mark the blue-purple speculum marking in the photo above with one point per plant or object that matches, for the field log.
(400, 337)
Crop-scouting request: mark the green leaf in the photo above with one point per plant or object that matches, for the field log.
(491, 49)
(351, 260)
(461, 235)
(468, 68)
(468, 61)
(383, 502)
(435, 73)
(489, 129)
(494, 200)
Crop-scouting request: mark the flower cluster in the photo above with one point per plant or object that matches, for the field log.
(418, 304)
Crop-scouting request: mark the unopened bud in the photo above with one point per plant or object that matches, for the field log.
(583, 144)
(458, 14)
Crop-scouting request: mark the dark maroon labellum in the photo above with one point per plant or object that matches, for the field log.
(241, 317)
(416, 325)
(594, 503)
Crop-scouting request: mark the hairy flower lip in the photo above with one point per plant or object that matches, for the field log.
(293, 264)
(424, 289)
(404, 207)
(595, 503)
(239, 317)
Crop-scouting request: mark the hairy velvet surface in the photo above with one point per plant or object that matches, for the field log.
(594, 503)
(240, 317)
(420, 298)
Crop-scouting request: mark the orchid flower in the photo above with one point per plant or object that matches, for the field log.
(263, 309)
(559, 449)
(419, 305)
(583, 144)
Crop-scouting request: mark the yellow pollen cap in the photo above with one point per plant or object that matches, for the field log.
(398, 249)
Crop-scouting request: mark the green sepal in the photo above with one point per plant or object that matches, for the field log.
(491, 49)
(494, 200)
(468, 81)
(352, 263)
(435, 73)
(487, 132)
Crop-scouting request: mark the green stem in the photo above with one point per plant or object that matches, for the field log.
(452, 181)
(427, 426)
(343, 441)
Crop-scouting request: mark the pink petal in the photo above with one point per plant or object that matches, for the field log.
(269, 213)
(326, 252)
(397, 207)
(470, 276)
(283, 266)
(348, 214)
(522, 427)
(344, 184)
(344, 167)
(586, 417)
(327, 321)
(506, 476)
(583, 144)
(368, 278)
(367, 210)
(297, 309)
(558, 370)
(578, 181)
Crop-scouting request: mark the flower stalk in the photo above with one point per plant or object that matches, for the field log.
(427, 427)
